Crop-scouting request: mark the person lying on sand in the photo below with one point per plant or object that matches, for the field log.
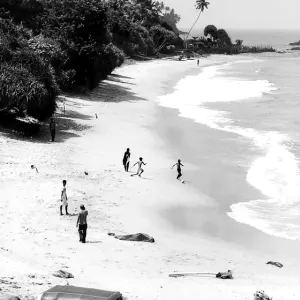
(179, 165)
(82, 222)
(64, 198)
(139, 170)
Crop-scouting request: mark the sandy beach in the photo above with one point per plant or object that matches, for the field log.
(36, 240)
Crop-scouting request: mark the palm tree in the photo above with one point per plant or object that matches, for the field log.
(201, 5)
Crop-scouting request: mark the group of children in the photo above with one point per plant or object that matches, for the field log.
(140, 163)
(82, 216)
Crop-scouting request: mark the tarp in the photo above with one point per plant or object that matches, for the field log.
(137, 237)
(69, 292)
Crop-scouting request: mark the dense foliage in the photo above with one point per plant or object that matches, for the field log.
(218, 41)
(27, 83)
(47, 45)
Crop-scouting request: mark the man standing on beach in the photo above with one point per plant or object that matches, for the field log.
(52, 126)
(64, 198)
(82, 222)
(198, 61)
(139, 170)
(179, 165)
(126, 159)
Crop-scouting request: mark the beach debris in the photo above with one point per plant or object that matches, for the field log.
(86, 173)
(275, 263)
(225, 275)
(260, 295)
(190, 274)
(34, 167)
(63, 274)
(5, 296)
(137, 237)
(222, 275)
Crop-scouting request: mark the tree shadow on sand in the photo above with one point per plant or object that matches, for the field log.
(68, 127)
(116, 88)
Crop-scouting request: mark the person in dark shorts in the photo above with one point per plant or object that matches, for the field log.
(82, 222)
(52, 126)
(179, 165)
(126, 159)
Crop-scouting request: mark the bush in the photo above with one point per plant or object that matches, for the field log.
(27, 83)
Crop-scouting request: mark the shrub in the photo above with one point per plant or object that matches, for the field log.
(27, 83)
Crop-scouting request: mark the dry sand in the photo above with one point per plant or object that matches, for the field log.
(36, 240)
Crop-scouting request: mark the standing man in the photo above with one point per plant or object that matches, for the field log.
(82, 222)
(52, 126)
(64, 198)
(179, 165)
(126, 159)
(198, 61)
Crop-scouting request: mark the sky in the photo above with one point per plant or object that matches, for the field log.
(240, 14)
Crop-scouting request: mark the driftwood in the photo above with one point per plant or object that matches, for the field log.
(222, 275)
(275, 263)
(260, 295)
(189, 274)
(63, 274)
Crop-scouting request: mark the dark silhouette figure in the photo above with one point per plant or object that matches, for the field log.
(82, 222)
(139, 170)
(52, 126)
(64, 198)
(198, 62)
(126, 159)
(179, 165)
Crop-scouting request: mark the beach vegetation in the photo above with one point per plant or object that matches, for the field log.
(218, 41)
(49, 46)
(211, 32)
(201, 5)
(27, 83)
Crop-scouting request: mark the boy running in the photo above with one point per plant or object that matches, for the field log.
(178, 164)
(139, 170)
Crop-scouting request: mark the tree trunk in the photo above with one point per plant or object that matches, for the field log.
(192, 28)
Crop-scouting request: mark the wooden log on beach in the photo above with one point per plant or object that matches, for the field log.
(190, 274)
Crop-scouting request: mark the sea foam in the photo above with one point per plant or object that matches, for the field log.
(276, 174)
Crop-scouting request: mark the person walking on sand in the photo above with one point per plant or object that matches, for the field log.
(179, 165)
(126, 159)
(52, 126)
(139, 170)
(64, 198)
(82, 222)
(198, 61)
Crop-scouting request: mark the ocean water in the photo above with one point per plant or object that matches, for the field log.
(256, 97)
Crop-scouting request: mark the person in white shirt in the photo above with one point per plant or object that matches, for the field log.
(64, 198)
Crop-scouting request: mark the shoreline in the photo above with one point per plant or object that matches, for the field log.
(128, 116)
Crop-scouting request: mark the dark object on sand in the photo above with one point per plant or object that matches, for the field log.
(190, 274)
(5, 296)
(225, 275)
(138, 237)
(275, 263)
(70, 292)
(62, 274)
(96, 116)
(86, 173)
(34, 167)
(260, 295)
